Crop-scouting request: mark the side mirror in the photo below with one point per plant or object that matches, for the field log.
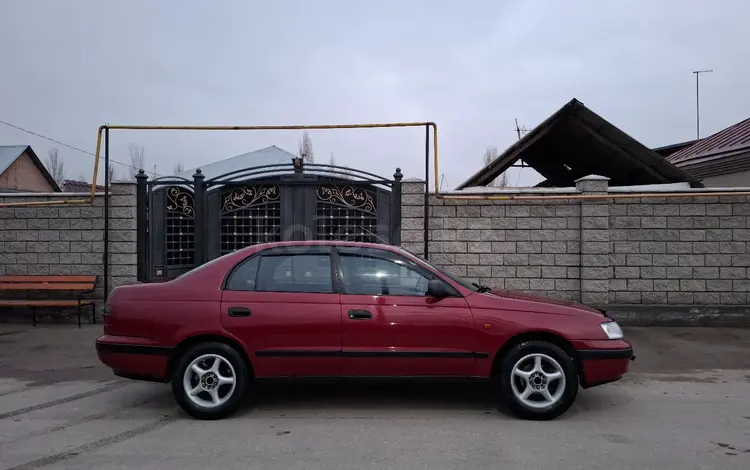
(437, 288)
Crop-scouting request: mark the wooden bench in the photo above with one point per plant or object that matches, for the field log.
(82, 286)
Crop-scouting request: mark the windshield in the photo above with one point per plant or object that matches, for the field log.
(467, 284)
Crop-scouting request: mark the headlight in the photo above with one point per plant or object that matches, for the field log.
(612, 330)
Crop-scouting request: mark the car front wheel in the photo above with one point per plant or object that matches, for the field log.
(538, 380)
(210, 381)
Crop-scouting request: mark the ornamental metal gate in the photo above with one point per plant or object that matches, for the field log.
(184, 223)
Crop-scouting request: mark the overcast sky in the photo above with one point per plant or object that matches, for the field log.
(472, 66)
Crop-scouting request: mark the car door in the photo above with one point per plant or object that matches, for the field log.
(282, 304)
(391, 328)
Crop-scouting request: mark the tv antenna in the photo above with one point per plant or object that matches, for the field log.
(443, 181)
(521, 131)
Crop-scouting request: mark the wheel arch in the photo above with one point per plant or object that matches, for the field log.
(188, 343)
(547, 336)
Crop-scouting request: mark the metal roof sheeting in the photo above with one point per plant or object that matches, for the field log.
(668, 150)
(727, 151)
(268, 156)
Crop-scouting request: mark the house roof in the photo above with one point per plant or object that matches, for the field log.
(668, 150)
(268, 156)
(73, 186)
(727, 151)
(575, 142)
(10, 153)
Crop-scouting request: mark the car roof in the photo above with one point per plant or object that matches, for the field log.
(380, 246)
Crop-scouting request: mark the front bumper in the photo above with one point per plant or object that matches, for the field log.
(604, 361)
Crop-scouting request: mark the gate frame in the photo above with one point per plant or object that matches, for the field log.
(260, 175)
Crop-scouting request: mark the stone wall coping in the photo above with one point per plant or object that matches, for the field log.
(495, 190)
(673, 188)
(61, 194)
(642, 189)
(64, 194)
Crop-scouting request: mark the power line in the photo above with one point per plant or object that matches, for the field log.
(72, 147)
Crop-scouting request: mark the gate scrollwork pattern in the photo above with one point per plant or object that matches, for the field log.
(247, 196)
(181, 201)
(349, 196)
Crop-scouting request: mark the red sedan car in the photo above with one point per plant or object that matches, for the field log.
(338, 309)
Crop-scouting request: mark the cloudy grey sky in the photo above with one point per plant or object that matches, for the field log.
(472, 66)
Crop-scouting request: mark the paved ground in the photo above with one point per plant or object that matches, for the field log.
(686, 405)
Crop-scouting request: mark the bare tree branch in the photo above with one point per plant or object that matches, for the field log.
(502, 180)
(55, 166)
(137, 159)
(342, 173)
(306, 152)
(112, 175)
(489, 155)
(179, 168)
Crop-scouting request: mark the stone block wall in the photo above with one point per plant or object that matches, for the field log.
(647, 251)
(67, 240)
(680, 251)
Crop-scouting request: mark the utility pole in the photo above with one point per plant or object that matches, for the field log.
(697, 101)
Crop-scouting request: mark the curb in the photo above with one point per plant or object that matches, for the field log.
(737, 316)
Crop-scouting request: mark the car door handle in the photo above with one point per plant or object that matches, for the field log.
(239, 312)
(359, 315)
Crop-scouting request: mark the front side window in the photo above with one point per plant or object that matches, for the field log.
(463, 282)
(309, 273)
(368, 274)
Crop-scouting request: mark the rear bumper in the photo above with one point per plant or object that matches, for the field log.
(604, 361)
(134, 358)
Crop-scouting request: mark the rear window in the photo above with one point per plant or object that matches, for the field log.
(204, 266)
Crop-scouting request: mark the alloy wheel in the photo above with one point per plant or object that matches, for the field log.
(209, 381)
(537, 381)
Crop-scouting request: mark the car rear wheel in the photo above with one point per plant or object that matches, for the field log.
(538, 380)
(210, 381)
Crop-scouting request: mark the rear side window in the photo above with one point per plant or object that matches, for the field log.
(309, 273)
(243, 278)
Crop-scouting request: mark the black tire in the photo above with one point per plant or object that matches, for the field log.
(241, 376)
(514, 404)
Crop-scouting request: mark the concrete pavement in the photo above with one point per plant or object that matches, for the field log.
(685, 405)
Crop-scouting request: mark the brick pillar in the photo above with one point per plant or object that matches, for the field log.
(412, 215)
(123, 260)
(594, 241)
